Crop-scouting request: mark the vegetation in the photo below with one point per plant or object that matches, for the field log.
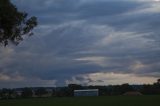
(40, 92)
(111, 90)
(26, 93)
(14, 24)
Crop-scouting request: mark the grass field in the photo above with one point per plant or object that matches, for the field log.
(86, 101)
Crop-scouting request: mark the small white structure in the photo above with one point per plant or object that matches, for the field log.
(86, 92)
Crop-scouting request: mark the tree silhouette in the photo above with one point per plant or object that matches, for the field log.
(158, 81)
(14, 24)
(27, 92)
(40, 92)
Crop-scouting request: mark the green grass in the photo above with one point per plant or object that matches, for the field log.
(86, 101)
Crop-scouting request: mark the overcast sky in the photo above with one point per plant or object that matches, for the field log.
(88, 42)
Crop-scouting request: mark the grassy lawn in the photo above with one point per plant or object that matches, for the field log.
(86, 101)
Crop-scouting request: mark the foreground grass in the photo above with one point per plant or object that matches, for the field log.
(86, 101)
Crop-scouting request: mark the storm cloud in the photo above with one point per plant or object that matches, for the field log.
(86, 42)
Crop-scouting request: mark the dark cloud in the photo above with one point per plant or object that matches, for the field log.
(61, 11)
(78, 38)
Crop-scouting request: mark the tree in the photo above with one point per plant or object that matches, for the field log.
(40, 92)
(158, 81)
(6, 93)
(27, 92)
(126, 87)
(73, 87)
(14, 24)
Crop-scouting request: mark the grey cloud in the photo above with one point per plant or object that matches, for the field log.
(82, 37)
(61, 11)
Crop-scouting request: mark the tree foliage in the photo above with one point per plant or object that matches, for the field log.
(14, 24)
(27, 92)
(40, 91)
(158, 81)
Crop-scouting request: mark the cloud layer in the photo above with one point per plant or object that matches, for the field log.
(86, 42)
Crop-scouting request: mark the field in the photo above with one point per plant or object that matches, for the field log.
(86, 101)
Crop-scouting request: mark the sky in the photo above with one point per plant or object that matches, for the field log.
(87, 42)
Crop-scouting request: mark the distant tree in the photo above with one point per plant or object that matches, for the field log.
(148, 89)
(40, 92)
(103, 90)
(158, 81)
(14, 24)
(6, 93)
(27, 93)
(126, 87)
(0, 94)
(72, 87)
(116, 90)
(54, 92)
(63, 92)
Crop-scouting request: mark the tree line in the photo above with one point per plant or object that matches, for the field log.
(68, 91)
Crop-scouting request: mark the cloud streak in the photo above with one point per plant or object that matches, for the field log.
(85, 41)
